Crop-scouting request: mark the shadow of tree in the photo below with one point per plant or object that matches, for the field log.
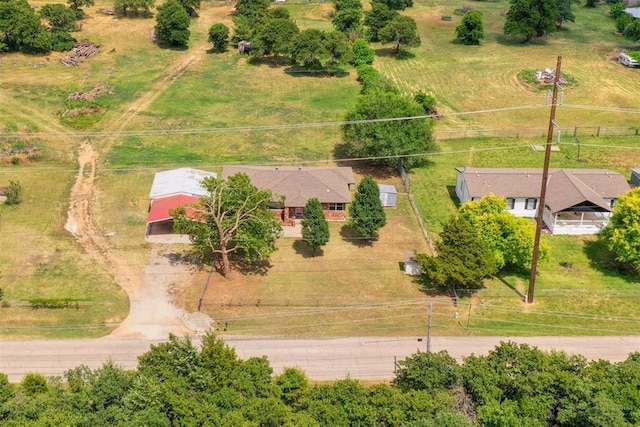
(299, 71)
(270, 61)
(302, 248)
(350, 235)
(603, 260)
(390, 52)
(240, 264)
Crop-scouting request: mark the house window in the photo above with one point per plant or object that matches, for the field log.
(336, 206)
(531, 203)
(510, 203)
(613, 202)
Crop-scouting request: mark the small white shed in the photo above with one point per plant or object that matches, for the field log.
(411, 264)
(388, 195)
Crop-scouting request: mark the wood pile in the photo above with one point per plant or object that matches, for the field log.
(82, 51)
(88, 95)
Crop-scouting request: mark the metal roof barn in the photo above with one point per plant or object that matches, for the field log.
(179, 181)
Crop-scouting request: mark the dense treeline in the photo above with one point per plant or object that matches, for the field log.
(177, 384)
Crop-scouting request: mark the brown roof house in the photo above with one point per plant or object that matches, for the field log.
(331, 186)
(578, 201)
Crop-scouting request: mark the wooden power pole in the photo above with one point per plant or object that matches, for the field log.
(543, 186)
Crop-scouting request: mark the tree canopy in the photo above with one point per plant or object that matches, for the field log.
(510, 238)
(234, 218)
(463, 259)
(219, 36)
(172, 24)
(471, 29)
(315, 228)
(391, 142)
(401, 31)
(366, 214)
(531, 18)
(396, 4)
(377, 18)
(623, 232)
(274, 36)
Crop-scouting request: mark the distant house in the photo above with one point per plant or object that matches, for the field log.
(172, 189)
(3, 197)
(578, 201)
(388, 195)
(330, 185)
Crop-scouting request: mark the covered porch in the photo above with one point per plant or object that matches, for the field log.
(576, 221)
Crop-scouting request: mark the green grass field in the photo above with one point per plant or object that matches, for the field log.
(350, 290)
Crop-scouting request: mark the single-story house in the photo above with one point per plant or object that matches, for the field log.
(578, 201)
(171, 189)
(330, 185)
(388, 195)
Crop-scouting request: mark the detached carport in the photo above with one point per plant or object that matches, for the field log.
(160, 221)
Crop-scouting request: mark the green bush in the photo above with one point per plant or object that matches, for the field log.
(55, 303)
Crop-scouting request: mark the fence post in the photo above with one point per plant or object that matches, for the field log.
(598, 134)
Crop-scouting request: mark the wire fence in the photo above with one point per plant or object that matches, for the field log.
(423, 225)
(524, 133)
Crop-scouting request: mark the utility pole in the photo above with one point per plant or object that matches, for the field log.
(430, 315)
(543, 186)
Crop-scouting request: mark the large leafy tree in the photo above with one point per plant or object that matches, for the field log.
(427, 371)
(377, 18)
(565, 14)
(172, 24)
(401, 31)
(75, 5)
(632, 30)
(59, 17)
(274, 37)
(366, 214)
(315, 227)
(253, 10)
(348, 16)
(21, 29)
(623, 232)
(392, 142)
(464, 259)
(471, 29)
(510, 238)
(233, 218)
(531, 18)
(191, 7)
(307, 47)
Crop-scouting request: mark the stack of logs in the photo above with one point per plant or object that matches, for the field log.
(89, 95)
(82, 51)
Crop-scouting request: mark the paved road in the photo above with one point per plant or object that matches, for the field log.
(322, 359)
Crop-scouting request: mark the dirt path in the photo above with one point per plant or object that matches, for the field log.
(152, 315)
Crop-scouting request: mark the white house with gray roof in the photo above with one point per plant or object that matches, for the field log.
(578, 201)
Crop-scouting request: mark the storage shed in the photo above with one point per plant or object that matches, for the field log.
(411, 265)
(388, 195)
(635, 177)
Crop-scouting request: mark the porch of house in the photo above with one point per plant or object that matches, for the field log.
(576, 223)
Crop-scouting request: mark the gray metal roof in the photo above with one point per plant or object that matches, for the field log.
(386, 188)
(299, 184)
(179, 181)
(633, 11)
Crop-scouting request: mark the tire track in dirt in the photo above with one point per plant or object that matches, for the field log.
(151, 313)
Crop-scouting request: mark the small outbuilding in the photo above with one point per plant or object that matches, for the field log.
(411, 266)
(635, 177)
(388, 195)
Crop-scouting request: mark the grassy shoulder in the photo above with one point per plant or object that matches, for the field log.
(40, 260)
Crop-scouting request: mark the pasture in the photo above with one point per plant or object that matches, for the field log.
(235, 111)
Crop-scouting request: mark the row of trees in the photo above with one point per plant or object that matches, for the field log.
(481, 239)
(177, 384)
(24, 29)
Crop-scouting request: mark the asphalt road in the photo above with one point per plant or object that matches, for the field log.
(367, 358)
